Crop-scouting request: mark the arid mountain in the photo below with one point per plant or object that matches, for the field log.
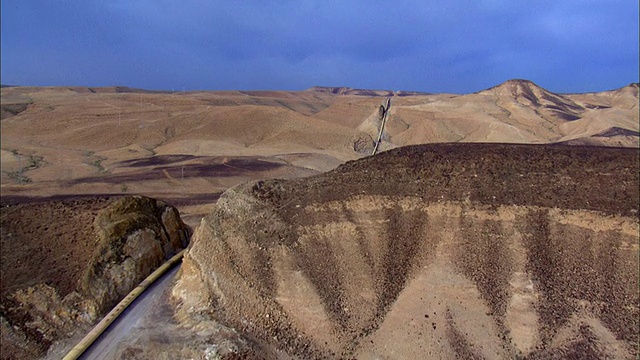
(519, 111)
(82, 140)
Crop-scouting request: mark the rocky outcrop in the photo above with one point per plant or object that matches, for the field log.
(130, 237)
(434, 251)
(137, 235)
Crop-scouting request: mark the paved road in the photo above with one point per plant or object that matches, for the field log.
(127, 323)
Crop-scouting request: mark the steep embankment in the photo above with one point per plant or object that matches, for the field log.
(66, 263)
(439, 251)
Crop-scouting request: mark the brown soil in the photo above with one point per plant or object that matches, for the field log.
(445, 251)
(50, 242)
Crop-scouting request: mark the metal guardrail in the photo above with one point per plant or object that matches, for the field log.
(95, 333)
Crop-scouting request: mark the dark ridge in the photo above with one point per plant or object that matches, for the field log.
(125, 89)
(564, 115)
(233, 167)
(115, 89)
(13, 104)
(13, 109)
(522, 82)
(265, 93)
(597, 107)
(583, 347)
(612, 296)
(158, 160)
(403, 93)
(561, 101)
(617, 131)
(12, 200)
(330, 90)
(528, 94)
(491, 174)
(350, 91)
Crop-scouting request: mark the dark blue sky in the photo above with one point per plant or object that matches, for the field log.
(433, 46)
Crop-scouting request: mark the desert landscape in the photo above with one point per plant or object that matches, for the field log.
(498, 224)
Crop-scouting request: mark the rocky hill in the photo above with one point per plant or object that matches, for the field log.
(431, 251)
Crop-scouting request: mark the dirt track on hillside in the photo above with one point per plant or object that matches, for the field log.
(445, 251)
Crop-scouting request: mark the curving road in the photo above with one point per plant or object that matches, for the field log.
(128, 322)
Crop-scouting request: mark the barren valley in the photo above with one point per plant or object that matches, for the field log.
(188, 147)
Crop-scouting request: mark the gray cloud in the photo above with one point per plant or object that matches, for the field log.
(460, 46)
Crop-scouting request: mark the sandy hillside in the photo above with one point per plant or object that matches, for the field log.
(57, 134)
(189, 147)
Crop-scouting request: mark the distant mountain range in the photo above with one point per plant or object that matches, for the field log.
(338, 122)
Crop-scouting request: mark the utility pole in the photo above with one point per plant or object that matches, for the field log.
(384, 112)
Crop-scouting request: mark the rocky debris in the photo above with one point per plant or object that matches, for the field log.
(441, 251)
(95, 252)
